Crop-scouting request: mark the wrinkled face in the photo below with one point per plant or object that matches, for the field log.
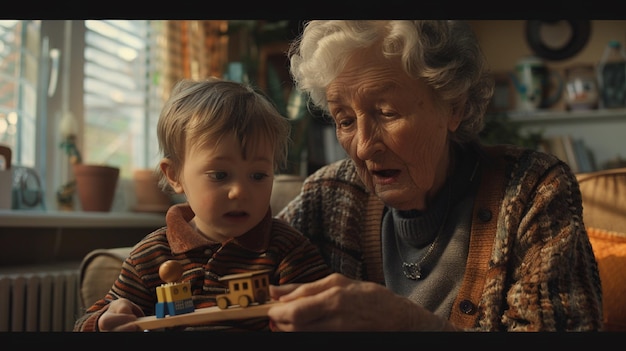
(229, 195)
(393, 128)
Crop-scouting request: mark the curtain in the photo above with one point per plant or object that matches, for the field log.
(193, 49)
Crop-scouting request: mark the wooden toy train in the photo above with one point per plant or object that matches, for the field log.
(244, 289)
(174, 297)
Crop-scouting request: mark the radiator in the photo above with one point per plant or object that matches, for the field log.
(39, 300)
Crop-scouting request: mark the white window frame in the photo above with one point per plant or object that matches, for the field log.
(65, 93)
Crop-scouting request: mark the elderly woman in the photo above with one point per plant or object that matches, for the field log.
(426, 228)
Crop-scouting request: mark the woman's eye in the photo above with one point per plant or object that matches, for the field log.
(388, 113)
(344, 123)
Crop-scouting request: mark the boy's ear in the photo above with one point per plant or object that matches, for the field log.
(171, 174)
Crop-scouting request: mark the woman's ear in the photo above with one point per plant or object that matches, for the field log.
(172, 175)
(454, 122)
(455, 119)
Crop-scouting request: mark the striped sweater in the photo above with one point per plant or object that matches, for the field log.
(272, 245)
(530, 265)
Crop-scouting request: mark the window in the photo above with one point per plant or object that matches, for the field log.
(99, 75)
(121, 94)
(109, 79)
(19, 90)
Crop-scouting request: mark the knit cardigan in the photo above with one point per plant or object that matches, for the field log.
(530, 265)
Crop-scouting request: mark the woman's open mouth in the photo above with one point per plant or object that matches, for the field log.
(385, 176)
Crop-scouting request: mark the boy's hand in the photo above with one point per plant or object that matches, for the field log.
(119, 315)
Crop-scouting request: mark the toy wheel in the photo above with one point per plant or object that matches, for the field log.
(222, 302)
(244, 301)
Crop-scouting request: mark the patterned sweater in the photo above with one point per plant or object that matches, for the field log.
(530, 265)
(272, 245)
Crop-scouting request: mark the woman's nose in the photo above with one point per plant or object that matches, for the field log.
(368, 139)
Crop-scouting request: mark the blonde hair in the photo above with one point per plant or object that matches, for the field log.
(204, 111)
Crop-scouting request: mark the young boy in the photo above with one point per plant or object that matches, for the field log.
(221, 143)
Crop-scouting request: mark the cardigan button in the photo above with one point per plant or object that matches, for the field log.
(484, 215)
(467, 307)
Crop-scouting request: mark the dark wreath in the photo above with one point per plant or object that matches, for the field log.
(580, 29)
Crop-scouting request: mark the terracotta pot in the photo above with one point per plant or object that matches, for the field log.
(96, 186)
(150, 198)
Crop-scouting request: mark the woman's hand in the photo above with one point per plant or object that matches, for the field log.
(337, 303)
(119, 315)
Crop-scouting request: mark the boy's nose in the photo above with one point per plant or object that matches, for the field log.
(237, 190)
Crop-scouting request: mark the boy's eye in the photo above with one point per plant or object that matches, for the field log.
(259, 176)
(217, 175)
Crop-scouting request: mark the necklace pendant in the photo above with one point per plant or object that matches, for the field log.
(411, 270)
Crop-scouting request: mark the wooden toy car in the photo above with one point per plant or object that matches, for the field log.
(245, 288)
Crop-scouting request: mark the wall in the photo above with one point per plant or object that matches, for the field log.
(504, 43)
(52, 237)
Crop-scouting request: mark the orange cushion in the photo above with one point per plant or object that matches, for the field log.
(609, 248)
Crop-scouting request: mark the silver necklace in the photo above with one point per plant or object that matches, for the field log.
(413, 270)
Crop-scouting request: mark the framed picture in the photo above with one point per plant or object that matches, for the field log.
(503, 99)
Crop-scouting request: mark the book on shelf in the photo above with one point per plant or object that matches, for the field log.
(555, 145)
(571, 159)
(572, 151)
(584, 157)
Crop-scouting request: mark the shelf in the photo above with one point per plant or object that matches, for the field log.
(78, 219)
(556, 117)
